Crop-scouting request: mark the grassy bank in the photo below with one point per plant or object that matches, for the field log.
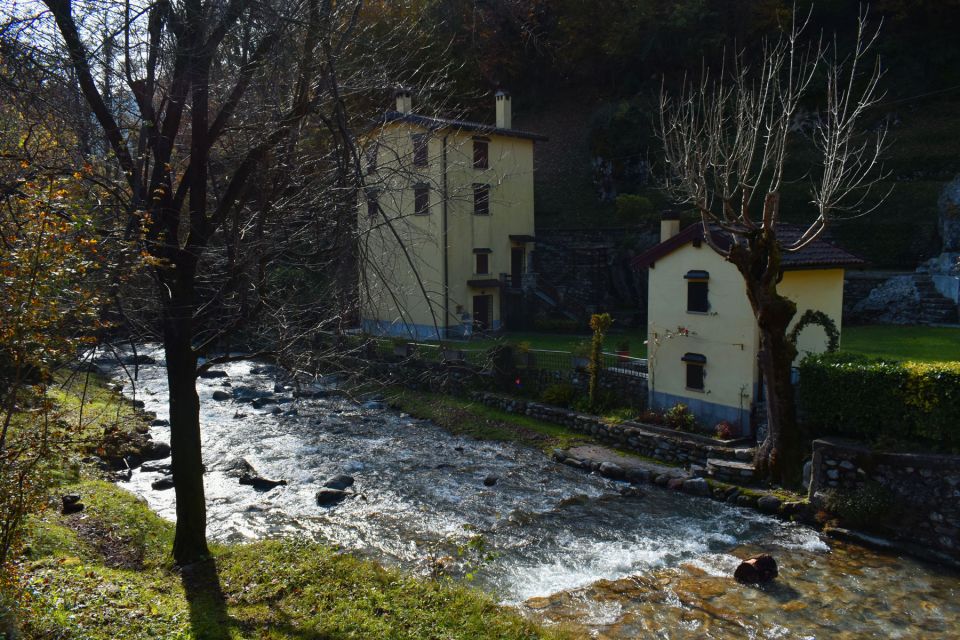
(106, 574)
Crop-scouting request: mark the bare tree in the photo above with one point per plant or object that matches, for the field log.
(726, 141)
(227, 144)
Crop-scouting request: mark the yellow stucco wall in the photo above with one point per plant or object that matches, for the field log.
(819, 290)
(727, 335)
(389, 289)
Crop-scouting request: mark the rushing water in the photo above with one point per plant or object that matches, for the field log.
(569, 548)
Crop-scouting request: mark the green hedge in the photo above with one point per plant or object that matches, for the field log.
(881, 400)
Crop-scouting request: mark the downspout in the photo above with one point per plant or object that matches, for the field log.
(446, 249)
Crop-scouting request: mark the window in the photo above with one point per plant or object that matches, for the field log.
(481, 199)
(481, 153)
(372, 151)
(419, 149)
(695, 363)
(697, 291)
(483, 263)
(373, 204)
(421, 199)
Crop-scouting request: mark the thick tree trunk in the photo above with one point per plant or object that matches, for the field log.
(780, 455)
(190, 542)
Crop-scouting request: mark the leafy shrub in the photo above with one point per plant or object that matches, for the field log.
(651, 417)
(881, 400)
(724, 430)
(868, 506)
(561, 395)
(633, 209)
(680, 417)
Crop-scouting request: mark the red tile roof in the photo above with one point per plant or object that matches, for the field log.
(819, 254)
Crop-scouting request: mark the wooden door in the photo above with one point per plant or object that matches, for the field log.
(482, 313)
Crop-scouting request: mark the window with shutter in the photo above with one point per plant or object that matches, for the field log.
(481, 199)
(421, 199)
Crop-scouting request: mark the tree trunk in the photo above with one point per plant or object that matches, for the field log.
(780, 455)
(190, 541)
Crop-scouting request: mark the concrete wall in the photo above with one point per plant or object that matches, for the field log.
(394, 301)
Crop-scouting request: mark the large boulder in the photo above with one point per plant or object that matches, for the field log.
(162, 484)
(210, 374)
(220, 395)
(757, 570)
(71, 504)
(896, 301)
(238, 467)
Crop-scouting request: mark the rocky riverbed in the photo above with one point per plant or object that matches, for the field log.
(567, 546)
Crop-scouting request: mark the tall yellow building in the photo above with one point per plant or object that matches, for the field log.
(446, 221)
(703, 339)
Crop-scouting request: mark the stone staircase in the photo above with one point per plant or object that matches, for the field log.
(935, 309)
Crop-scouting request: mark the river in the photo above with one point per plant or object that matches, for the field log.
(569, 549)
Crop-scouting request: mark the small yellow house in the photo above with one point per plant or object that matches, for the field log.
(446, 221)
(702, 336)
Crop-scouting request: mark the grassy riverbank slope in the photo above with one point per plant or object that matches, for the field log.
(107, 573)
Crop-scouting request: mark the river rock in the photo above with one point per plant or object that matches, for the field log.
(339, 482)
(330, 497)
(697, 486)
(71, 504)
(155, 451)
(138, 359)
(631, 492)
(264, 370)
(559, 455)
(160, 422)
(637, 476)
(756, 570)
(155, 467)
(238, 467)
(220, 396)
(211, 374)
(769, 504)
(259, 483)
(612, 470)
(675, 484)
(138, 404)
(259, 403)
(162, 484)
(489, 481)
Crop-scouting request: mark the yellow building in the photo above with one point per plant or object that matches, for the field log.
(702, 336)
(446, 221)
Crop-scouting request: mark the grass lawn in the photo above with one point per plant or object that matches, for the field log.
(929, 344)
(106, 574)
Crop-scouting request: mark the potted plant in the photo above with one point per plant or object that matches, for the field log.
(526, 357)
(623, 350)
(581, 355)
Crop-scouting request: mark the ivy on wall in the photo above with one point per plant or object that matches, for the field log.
(811, 316)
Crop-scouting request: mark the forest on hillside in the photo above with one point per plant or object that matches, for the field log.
(588, 75)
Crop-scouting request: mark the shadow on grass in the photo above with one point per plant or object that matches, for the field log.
(208, 606)
(210, 620)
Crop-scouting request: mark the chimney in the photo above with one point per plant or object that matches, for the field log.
(669, 225)
(504, 115)
(404, 101)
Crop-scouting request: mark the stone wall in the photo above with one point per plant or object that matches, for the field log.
(926, 488)
(651, 441)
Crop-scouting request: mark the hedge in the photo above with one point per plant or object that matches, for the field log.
(880, 400)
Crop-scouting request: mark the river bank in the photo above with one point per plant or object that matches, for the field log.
(106, 573)
(567, 547)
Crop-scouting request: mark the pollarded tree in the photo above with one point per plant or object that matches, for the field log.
(726, 141)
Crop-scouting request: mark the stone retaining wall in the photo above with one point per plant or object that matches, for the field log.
(630, 390)
(926, 487)
(652, 441)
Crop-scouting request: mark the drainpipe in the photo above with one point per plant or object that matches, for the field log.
(446, 250)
